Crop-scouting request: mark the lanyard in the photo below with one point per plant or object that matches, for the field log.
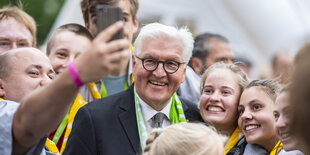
(51, 146)
(276, 149)
(78, 103)
(233, 139)
(61, 129)
(94, 90)
(176, 116)
(132, 77)
(95, 93)
(104, 92)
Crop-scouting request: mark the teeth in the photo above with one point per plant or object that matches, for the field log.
(284, 135)
(216, 109)
(158, 83)
(250, 127)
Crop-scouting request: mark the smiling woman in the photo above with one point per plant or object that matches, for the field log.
(256, 118)
(221, 87)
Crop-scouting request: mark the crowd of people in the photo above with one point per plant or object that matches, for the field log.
(163, 93)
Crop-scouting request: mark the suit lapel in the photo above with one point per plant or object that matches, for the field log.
(127, 117)
(184, 106)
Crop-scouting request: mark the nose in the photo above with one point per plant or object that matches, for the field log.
(281, 122)
(215, 97)
(45, 80)
(246, 115)
(14, 45)
(160, 71)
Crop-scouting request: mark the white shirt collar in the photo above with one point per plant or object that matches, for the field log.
(148, 112)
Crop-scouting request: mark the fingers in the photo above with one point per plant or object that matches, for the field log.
(117, 57)
(117, 45)
(109, 32)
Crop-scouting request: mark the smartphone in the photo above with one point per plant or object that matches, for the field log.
(107, 15)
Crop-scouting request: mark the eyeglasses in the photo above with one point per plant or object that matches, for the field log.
(151, 64)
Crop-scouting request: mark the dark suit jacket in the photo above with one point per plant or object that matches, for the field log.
(109, 126)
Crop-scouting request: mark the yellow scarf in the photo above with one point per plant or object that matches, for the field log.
(78, 103)
(233, 139)
(276, 149)
(1, 99)
(51, 146)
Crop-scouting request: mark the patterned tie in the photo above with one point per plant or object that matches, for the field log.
(158, 120)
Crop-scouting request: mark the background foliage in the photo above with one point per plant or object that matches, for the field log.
(43, 11)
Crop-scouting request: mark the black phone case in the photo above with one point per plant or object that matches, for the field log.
(106, 15)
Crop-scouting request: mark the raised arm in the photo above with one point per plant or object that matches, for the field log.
(42, 110)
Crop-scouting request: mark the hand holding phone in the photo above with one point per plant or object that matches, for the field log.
(106, 15)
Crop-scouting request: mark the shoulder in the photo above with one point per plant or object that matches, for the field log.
(112, 103)
(294, 152)
(188, 104)
(191, 111)
(7, 108)
(7, 111)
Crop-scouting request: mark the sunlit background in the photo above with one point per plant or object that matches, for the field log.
(255, 29)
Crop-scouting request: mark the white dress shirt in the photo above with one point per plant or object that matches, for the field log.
(148, 112)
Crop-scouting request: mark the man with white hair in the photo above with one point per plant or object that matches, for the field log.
(119, 124)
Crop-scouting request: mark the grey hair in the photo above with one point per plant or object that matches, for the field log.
(155, 30)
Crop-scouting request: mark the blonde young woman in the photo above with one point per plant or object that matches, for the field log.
(256, 118)
(185, 138)
(221, 87)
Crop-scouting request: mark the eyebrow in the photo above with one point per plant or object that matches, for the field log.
(6, 39)
(24, 40)
(35, 66)
(62, 49)
(206, 86)
(38, 67)
(253, 101)
(225, 87)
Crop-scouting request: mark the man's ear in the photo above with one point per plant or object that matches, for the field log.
(197, 65)
(133, 62)
(2, 92)
(86, 25)
(136, 24)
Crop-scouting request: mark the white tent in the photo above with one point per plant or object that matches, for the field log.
(255, 28)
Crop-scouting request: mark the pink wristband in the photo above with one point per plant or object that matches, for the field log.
(75, 74)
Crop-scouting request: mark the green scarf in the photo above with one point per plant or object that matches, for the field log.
(176, 116)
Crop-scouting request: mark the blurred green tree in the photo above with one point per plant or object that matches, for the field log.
(43, 11)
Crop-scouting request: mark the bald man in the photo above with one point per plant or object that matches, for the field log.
(23, 126)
